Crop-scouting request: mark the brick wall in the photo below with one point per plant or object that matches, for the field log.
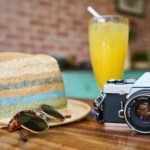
(57, 26)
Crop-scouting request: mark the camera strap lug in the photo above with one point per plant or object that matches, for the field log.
(98, 107)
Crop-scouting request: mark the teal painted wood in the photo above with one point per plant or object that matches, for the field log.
(82, 84)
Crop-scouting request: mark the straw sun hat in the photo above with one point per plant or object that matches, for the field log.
(27, 81)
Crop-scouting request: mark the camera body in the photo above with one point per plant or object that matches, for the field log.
(126, 101)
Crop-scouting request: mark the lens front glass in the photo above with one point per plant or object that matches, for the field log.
(143, 112)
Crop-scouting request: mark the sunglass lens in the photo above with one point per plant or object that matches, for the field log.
(52, 112)
(32, 122)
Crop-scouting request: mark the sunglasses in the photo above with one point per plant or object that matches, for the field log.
(33, 122)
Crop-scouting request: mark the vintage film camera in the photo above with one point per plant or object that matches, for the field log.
(126, 101)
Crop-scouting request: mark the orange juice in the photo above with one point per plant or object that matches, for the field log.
(108, 47)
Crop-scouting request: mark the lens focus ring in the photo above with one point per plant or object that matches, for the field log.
(137, 111)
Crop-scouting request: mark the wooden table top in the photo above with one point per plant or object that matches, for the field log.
(86, 134)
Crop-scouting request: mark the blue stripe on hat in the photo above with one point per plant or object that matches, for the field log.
(31, 98)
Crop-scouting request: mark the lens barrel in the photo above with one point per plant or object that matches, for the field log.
(137, 111)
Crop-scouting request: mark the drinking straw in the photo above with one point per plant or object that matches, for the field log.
(93, 12)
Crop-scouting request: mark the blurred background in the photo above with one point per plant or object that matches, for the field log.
(60, 28)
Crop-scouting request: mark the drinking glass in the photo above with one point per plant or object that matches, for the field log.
(108, 41)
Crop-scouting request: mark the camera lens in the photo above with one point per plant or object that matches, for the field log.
(137, 111)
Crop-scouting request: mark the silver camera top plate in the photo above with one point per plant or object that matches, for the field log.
(141, 83)
(117, 88)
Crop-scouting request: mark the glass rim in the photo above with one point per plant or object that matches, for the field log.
(108, 18)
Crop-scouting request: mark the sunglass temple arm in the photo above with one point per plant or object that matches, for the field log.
(22, 136)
